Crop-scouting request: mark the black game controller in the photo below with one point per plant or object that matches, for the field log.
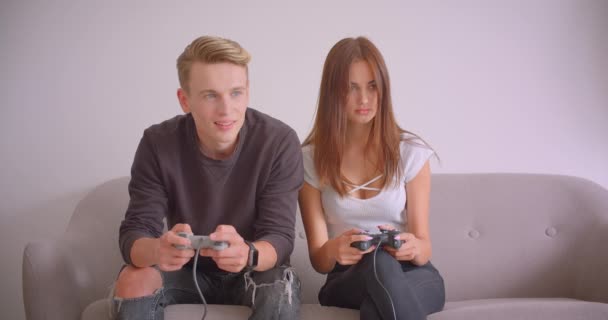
(385, 237)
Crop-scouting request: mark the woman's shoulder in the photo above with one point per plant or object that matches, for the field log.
(308, 152)
(415, 152)
(308, 149)
(310, 173)
(410, 141)
(308, 156)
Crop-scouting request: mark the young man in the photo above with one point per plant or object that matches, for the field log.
(222, 170)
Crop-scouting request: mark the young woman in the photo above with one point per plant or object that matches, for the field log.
(363, 173)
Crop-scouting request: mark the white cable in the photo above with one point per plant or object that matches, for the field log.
(196, 283)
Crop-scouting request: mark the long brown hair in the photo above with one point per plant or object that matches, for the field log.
(328, 135)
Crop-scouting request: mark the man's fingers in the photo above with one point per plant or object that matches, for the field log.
(232, 251)
(220, 231)
(226, 233)
(182, 253)
(207, 252)
(181, 227)
(226, 253)
(231, 238)
(174, 239)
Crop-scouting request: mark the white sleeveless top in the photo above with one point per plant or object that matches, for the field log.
(387, 207)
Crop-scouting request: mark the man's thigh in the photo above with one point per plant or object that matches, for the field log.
(179, 287)
(278, 285)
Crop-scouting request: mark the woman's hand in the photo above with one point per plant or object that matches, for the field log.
(343, 253)
(409, 250)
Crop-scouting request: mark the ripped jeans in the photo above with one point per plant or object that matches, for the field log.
(271, 294)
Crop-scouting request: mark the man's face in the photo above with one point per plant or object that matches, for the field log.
(218, 97)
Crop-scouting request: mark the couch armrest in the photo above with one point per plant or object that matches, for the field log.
(592, 275)
(50, 284)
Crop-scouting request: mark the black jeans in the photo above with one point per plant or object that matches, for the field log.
(272, 294)
(415, 291)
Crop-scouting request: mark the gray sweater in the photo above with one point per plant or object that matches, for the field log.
(255, 190)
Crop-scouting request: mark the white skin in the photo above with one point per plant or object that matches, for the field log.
(361, 108)
(217, 97)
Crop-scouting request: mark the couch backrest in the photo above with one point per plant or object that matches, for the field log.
(518, 235)
(494, 235)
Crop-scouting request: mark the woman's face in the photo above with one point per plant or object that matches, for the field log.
(362, 97)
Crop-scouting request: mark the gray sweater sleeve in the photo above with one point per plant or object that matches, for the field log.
(277, 203)
(148, 199)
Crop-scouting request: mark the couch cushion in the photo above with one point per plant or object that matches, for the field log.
(307, 312)
(490, 309)
(99, 311)
(523, 309)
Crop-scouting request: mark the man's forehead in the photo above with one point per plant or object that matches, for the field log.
(218, 77)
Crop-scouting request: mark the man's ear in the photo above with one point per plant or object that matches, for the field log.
(182, 97)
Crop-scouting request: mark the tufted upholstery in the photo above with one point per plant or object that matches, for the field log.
(509, 246)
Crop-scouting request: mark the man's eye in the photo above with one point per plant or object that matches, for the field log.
(236, 93)
(210, 96)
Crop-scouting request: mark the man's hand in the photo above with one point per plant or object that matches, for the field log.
(169, 257)
(344, 253)
(233, 258)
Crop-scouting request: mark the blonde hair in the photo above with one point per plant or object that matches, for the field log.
(209, 49)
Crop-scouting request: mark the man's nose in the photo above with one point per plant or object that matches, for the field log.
(223, 105)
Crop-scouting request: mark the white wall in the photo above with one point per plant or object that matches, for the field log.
(494, 86)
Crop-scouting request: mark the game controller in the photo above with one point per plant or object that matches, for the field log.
(385, 237)
(202, 242)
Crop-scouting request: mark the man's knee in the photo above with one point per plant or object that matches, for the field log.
(135, 282)
(277, 289)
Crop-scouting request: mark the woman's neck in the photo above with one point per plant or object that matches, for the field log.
(357, 136)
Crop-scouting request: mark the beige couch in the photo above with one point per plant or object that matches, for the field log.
(510, 246)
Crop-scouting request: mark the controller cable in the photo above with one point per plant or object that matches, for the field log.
(198, 250)
(379, 282)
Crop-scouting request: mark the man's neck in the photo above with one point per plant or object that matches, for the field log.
(218, 151)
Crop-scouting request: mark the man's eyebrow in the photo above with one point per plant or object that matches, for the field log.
(205, 91)
(239, 88)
